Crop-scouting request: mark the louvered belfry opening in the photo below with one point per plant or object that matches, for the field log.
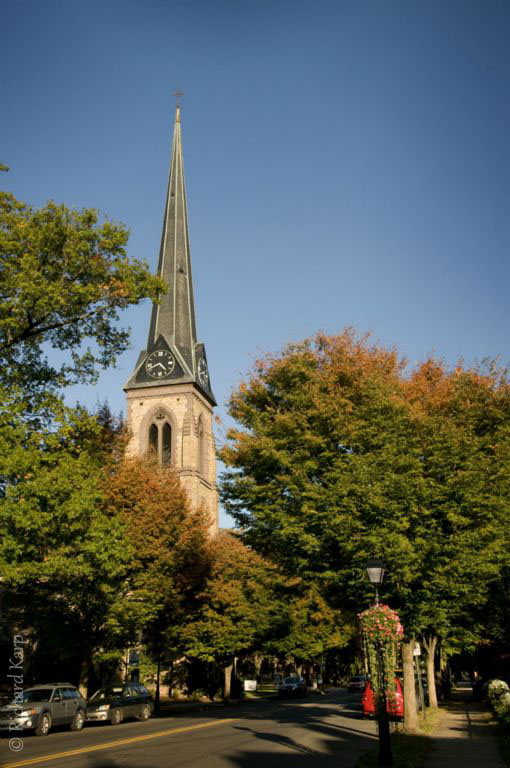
(166, 444)
(160, 439)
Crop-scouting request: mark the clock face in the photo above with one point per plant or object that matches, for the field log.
(203, 374)
(160, 363)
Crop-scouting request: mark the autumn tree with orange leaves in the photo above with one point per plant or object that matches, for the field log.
(169, 551)
(342, 454)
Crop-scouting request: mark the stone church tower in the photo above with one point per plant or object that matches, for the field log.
(169, 397)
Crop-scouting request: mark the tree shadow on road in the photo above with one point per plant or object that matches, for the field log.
(301, 734)
(100, 761)
(331, 741)
(278, 739)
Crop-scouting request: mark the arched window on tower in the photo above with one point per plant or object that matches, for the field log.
(160, 438)
(166, 447)
(153, 439)
(201, 447)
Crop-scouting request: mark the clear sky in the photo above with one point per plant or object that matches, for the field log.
(347, 161)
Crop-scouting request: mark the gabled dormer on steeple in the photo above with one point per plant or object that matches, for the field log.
(173, 354)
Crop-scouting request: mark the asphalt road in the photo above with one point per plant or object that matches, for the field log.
(323, 731)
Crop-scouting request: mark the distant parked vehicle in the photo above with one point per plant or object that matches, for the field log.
(294, 685)
(43, 706)
(394, 701)
(356, 683)
(119, 702)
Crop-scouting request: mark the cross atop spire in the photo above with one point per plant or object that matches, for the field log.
(178, 95)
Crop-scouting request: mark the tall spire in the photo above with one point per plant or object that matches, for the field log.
(174, 317)
(173, 325)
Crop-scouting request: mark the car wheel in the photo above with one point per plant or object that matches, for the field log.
(146, 712)
(78, 721)
(115, 717)
(43, 726)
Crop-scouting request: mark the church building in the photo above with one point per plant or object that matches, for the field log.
(169, 398)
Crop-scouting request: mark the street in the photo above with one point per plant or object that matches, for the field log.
(316, 730)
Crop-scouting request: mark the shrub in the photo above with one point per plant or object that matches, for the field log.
(499, 697)
(496, 689)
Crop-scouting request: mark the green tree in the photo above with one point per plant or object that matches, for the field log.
(64, 278)
(342, 455)
(236, 608)
(61, 553)
(462, 423)
(309, 626)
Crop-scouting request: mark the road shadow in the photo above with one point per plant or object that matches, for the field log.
(331, 740)
(99, 761)
(278, 739)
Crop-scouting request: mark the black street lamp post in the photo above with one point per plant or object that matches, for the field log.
(375, 571)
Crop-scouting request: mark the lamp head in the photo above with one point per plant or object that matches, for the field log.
(375, 571)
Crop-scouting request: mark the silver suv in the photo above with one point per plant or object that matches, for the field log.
(42, 706)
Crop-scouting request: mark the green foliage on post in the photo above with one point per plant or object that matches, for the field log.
(382, 634)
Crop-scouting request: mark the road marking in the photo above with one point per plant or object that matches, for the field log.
(118, 743)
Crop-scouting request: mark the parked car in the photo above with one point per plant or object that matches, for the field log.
(120, 702)
(43, 706)
(394, 701)
(356, 683)
(294, 685)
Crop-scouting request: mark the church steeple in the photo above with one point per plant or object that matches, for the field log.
(173, 354)
(174, 317)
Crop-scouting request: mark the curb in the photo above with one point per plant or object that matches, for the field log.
(200, 706)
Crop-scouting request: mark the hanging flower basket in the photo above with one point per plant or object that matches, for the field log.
(382, 633)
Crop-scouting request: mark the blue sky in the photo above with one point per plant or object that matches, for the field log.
(347, 162)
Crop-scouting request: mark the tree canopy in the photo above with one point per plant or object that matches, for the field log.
(236, 606)
(64, 277)
(343, 454)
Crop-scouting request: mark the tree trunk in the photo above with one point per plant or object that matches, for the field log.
(258, 665)
(444, 672)
(419, 681)
(84, 675)
(157, 696)
(171, 678)
(410, 713)
(430, 644)
(228, 680)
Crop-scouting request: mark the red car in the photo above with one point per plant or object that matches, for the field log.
(394, 701)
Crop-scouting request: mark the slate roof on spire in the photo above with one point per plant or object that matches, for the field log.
(174, 317)
(173, 325)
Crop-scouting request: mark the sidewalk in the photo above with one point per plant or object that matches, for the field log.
(464, 738)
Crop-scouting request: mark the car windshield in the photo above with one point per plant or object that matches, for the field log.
(37, 694)
(106, 693)
(357, 679)
(290, 680)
